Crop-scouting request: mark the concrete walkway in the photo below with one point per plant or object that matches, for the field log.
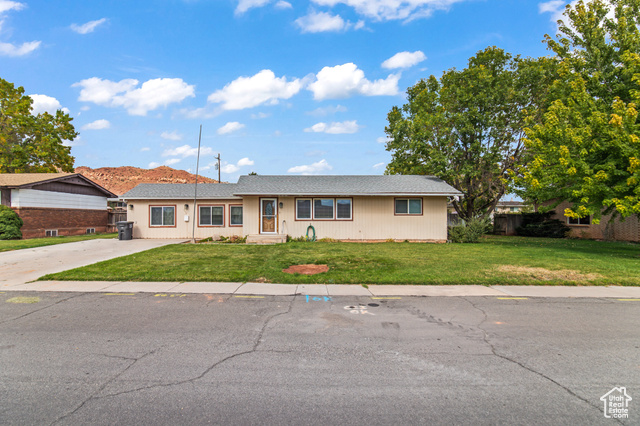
(329, 290)
(21, 266)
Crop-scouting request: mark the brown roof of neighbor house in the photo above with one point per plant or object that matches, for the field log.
(26, 180)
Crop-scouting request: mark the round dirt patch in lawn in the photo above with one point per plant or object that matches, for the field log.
(306, 269)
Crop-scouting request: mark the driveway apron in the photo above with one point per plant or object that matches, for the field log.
(22, 266)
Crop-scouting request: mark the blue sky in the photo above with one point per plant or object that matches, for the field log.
(280, 87)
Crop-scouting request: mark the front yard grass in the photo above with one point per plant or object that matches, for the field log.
(8, 245)
(495, 260)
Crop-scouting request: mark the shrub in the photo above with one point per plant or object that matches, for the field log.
(469, 232)
(234, 239)
(10, 224)
(291, 239)
(540, 224)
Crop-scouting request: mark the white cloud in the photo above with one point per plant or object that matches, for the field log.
(404, 60)
(346, 80)
(244, 5)
(97, 125)
(233, 168)
(173, 136)
(245, 162)
(145, 149)
(171, 161)
(283, 5)
(378, 165)
(185, 151)
(334, 128)
(229, 168)
(260, 115)
(317, 22)
(44, 103)
(383, 139)
(248, 92)
(10, 49)
(230, 127)
(385, 10)
(322, 111)
(6, 5)
(153, 165)
(311, 169)
(151, 95)
(89, 27)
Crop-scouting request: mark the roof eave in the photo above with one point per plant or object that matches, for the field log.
(337, 194)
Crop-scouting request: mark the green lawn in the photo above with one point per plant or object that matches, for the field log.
(496, 260)
(8, 245)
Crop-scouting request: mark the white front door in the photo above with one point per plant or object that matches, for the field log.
(268, 216)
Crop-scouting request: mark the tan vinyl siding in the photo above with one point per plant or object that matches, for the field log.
(139, 215)
(373, 218)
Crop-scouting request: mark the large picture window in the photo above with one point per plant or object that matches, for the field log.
(235, 213)
(211, 216)
(408, 206)
(163, 215)
(323, 208)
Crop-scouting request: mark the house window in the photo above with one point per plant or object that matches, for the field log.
(303, 209)
(163, 216)
(579, 220)
(91, 230)
(211, 216)
(51, 233)
(235, 213)
(323, 208)
(343, 209)
(408, 206)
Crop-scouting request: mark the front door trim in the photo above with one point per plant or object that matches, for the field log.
(275, 215)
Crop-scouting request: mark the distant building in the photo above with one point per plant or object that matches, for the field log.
(510, 207)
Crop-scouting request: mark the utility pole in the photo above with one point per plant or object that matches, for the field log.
(218, 166)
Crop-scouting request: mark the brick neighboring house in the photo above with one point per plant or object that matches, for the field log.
(618, 230)
(53, 204)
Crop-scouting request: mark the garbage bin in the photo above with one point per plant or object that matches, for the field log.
(125, 230)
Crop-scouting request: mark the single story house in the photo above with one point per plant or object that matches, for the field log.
(616, 230)
(268, 208)
(53, 204)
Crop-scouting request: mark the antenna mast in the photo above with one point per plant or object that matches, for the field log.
(195, 192)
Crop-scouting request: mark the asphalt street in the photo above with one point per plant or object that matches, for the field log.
(145, 358)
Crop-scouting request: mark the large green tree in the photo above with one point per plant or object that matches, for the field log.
(587, 147)
(32, 143)
(467, 127)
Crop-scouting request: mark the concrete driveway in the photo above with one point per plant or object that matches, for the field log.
(21, 266)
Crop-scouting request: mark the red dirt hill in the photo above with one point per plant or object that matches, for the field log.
(121, 179)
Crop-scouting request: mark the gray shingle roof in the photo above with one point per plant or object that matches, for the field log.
(394, 185)
(177, 191)
(398, 185)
